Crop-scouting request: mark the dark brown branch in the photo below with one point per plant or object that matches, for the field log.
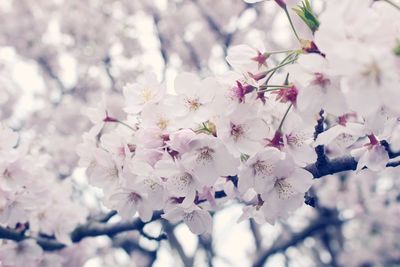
(163, 41)
(11, 234)
(331, 166)
(91, 229)
(45, 66)
(320, 150)
(103, 218)
(130, 244)
(176, 245)
(392, 154)
(210, 21)
(193, 55)
(345, 163)
(229, 36)
(256, 233)
(337, 165)
(108, 65)
(225, 37)
(296, 239)
(207, 243)
(161, 236)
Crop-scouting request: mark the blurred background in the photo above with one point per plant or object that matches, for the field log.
(59, 56)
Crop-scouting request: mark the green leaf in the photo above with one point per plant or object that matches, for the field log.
(244, 157)
(305, 12)
(396, 49)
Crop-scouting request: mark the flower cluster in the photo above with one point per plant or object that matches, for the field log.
(249, 133)
(32, 198)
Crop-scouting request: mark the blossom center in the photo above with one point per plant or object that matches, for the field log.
(261, 58)
(295, 140)
(193, 104)
(151, 184)
(262, 167)
(237, 131)
(134, 197)
(146, 94)
(372, 71)
(182, 181)
(7, 174)
(320, 80)
(205, 154)
(188, 216)
(162, 123)
(284, 189)
(112, 172)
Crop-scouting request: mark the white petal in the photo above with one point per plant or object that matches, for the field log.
(301, 180)
(186, 83)
(225, 163)
(377, 158)
(174, 215)
(199, 222)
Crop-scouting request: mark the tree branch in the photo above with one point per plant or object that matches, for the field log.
(45, 66)
(207, 243)
(337, 165)
(256, 233)
(103, 218)
(130, 245)
(90, 229)
(193, 55)
(176, 245)
(163, 41)
(321, 223)
(210, 21)
(320, 150)
(108, 65)
(331, 166)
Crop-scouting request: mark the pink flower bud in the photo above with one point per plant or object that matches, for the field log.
(281, 3)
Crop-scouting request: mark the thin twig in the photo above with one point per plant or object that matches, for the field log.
(176, 245)
(390, 2)
(321, 223)
(89, 229)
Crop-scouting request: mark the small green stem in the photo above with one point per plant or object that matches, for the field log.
(291, 24)
(272, 89)
(281, 86)
(390, 2)
(269, 88)
(283, 61)
(284, 117)
(281, 51)
(125, 124)
(287, 79)
(276, 85)
(280, 66)
(108, 119)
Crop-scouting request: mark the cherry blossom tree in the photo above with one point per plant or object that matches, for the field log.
(199, 133)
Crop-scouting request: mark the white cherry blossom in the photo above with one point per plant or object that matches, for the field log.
(209, 159)
(146, 90)
(285, 193)
(317, 89)
(245, 58)
(255, 171)
(192, 104)
(372, 155)
(242, 131)
(198, 220)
